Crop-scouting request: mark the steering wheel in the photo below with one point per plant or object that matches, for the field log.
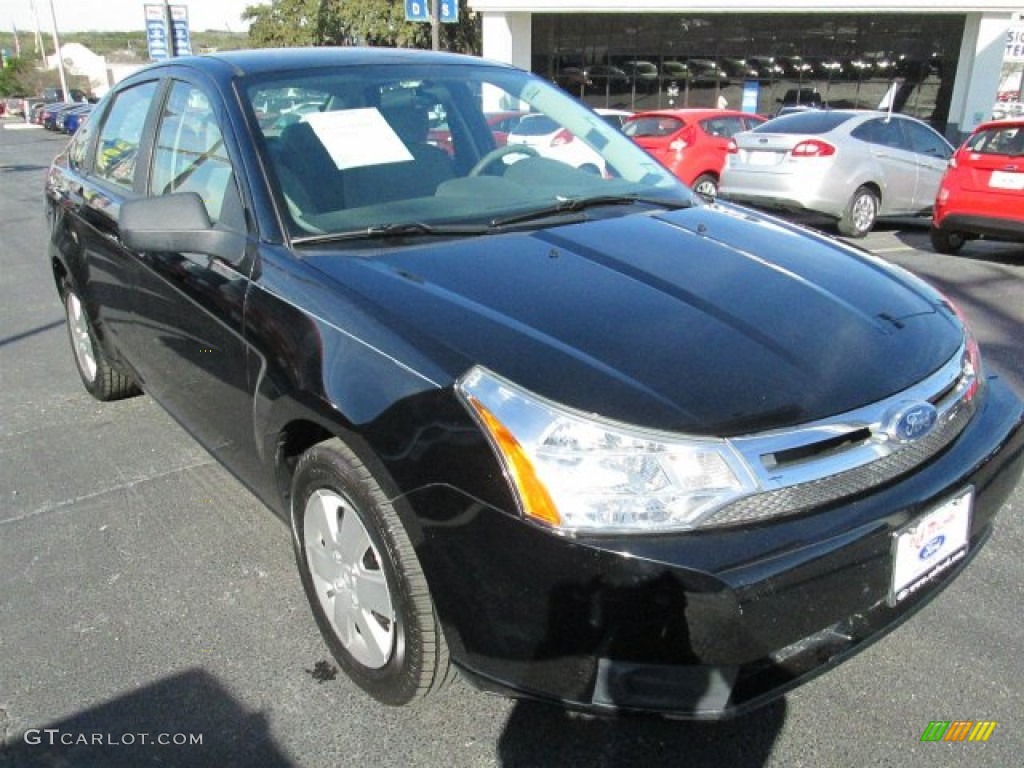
(497, 153)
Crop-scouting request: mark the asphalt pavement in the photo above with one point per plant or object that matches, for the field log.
(151, 614)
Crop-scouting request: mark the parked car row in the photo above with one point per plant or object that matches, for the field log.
(60, 116)
(857, 166)
(647, 75)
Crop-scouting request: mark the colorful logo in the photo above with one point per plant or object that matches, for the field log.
(959, 730)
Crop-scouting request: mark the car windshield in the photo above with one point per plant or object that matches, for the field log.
(651, 127)
(1001, 140)
(385, 147)
(807, 122)
(535, 125)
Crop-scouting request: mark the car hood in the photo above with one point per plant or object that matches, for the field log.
(708, 320)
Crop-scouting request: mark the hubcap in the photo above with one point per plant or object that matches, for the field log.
(81, 341)
(348, 578)
(864, 213)
(707, 189)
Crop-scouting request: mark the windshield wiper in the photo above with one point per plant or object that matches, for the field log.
(394, 230)
(577, 204)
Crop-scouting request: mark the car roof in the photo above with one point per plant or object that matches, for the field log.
(988, 125)
(696, 113)
(264, 60)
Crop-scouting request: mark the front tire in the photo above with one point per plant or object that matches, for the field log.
(945, 241)
(860, 215)
(99, 378)
(363, 580)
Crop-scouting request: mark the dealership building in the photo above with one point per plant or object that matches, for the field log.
(939, 60)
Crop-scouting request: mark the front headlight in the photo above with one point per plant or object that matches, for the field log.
(576, 472)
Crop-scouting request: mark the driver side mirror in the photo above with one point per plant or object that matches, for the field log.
(178, 223)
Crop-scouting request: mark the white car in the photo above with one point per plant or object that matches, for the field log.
(549, 139)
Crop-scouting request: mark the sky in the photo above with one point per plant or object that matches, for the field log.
(119, 15)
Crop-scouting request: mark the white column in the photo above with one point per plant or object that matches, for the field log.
(507, 37)
(977, 76)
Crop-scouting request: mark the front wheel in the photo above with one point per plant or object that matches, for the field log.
(861, 212)
(945, 241)
(363, 580)
(100, 379)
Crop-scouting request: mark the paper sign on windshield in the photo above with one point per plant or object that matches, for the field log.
(358, 137)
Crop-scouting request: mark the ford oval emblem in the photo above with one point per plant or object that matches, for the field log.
(933, 546)
(912, 421)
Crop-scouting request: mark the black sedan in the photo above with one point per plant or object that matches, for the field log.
(581, 437)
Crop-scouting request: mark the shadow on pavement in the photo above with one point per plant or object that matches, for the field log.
(540, 734)
(127, 731)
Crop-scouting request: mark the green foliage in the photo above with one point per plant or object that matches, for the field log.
(12, 77)
(289, 23)
(286, 23)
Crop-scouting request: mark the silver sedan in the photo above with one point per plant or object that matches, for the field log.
(852, 165)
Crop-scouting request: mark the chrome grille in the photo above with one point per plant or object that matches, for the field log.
(856, 452)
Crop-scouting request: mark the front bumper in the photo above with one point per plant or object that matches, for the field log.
(697, 625)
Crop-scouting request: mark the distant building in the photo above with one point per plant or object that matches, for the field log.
(940, 58)
(79, 60)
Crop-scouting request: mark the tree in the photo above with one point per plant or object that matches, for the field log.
(286, 23)
(354, 22)
(12, 82)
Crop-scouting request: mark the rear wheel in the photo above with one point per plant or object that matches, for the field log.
(706, 186)
(945, 241)
(363, 580)
(860, 215)
(100, 379)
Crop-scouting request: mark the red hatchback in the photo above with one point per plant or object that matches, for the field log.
(982, 191)
(692, 143)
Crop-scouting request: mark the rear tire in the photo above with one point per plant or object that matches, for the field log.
(706, 186)
(363, 580)
(860, 215)
(946, 241)
(99, 378)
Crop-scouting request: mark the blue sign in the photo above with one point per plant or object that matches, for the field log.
(156, 32)
(417, 10)
(179, 31)
(449, 11)
(751, 92)
(160, 39)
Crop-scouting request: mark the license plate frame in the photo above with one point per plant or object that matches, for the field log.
(1006, 180)
(930, 545)
(762, 157)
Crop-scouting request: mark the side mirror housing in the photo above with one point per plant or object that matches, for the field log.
(178, 223)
